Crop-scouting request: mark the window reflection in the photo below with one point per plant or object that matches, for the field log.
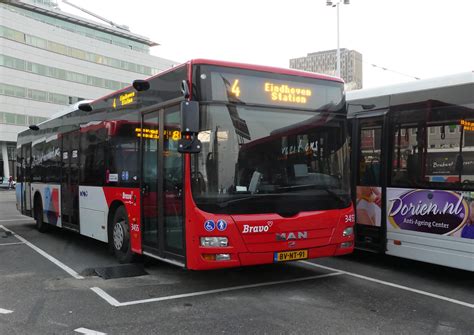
(273, 156)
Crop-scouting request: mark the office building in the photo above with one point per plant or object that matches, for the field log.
(325, 62)
(50, 59)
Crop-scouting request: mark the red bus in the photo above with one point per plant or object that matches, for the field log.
(207, 165)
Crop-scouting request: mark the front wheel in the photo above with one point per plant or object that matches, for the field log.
(120, 236)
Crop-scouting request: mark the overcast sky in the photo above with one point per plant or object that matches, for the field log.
(419, 38)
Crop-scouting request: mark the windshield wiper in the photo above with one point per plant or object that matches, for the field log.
(335, 195)
(251, 197)
(330, 191)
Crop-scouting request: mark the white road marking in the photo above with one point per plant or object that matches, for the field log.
(440, 297)
(12, 243)
(104, 295)
(5, 311)
(111, 300)
(46, 255)
(88, 331)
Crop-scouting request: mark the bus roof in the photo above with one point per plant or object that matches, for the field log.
(419, 85)
(263, 68)
(72, 108)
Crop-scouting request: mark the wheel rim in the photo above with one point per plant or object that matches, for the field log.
(118, 235)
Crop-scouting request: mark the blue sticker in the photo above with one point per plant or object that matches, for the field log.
(221, 225)
(209, 225)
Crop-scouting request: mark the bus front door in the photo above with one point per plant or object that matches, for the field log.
(161, 186)
(70, 181)
(26, 179)
(369, 190)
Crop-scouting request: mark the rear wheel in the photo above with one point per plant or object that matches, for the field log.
(119, 238)
(40, 224)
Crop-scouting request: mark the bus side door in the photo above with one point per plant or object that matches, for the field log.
(368, 144)
(25, 189)
(70, 180)
(162, 185)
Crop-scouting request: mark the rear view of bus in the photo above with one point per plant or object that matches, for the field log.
(271, 182)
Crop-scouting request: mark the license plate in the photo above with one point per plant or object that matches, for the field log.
(290, 255)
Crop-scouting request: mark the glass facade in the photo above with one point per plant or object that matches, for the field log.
(37, 95)
(20, 119)
(65, 50)
(53, 72)
(83, 30)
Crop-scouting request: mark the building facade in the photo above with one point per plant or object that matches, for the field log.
(50, 59)
(325, 62)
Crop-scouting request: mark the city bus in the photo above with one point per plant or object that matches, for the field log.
(208, 165)
(413, 163)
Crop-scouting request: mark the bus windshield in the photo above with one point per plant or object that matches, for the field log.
(270, 160)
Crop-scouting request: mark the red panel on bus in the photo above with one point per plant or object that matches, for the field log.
(130, 198)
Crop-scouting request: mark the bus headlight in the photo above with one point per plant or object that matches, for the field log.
(348, 231)
(214, 242)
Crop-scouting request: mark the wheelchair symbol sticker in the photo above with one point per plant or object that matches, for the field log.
(209, 225)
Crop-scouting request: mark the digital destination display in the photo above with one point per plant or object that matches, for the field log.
(174, 135)
(299, 92)
(468, 125)
(124, 99)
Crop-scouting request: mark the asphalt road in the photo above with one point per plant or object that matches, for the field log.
(48, 286)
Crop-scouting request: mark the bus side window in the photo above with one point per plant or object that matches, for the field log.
(412, 171)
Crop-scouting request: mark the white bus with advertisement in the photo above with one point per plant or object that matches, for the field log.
(413, 158)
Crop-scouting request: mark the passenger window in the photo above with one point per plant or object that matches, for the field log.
(369, 156)
(433, 155)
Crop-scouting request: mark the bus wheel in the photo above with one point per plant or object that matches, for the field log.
(120, 237)
(40, 224)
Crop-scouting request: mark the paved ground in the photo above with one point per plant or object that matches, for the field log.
(358, 294)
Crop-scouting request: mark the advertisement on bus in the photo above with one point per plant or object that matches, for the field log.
(368, 206)
(440, 212)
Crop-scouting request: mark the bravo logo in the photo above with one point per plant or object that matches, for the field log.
(126, 196)
(257, 229)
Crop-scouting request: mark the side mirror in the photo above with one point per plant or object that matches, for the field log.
(185, 89)
(189, 117)
(189, 143)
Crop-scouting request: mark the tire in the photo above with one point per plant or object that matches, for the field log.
(42, 226)
(119, 240)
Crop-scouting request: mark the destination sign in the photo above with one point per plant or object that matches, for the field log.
(124, 99)
(174, 135)
(299, 92)
(468, 125)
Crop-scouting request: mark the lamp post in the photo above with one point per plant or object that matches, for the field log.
(338, 51)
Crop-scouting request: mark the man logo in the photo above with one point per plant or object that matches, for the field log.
(83, 194)
(291, 236)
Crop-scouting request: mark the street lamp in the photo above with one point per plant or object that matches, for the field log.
(338, 51)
